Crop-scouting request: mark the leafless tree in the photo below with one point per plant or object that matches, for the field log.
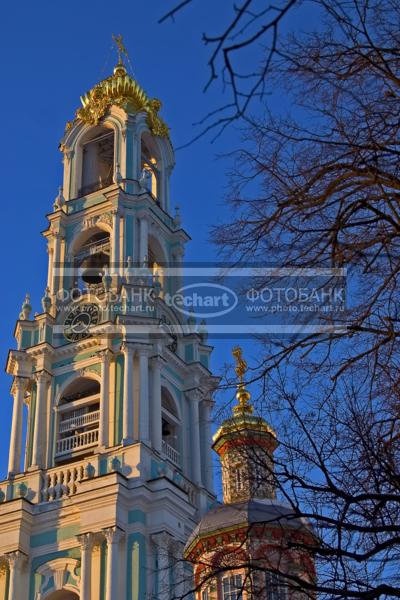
(316, 183)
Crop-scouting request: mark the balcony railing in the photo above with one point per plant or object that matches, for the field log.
(98, 247)
(77, 442)
(79, 419)
(170, 453)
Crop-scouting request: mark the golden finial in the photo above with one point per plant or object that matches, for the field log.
(122, 51)
(243, 396)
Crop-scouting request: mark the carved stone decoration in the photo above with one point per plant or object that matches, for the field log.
(59, 574)
(106, 218)
(89, 222)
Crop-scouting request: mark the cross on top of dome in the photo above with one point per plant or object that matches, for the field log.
(120, 89)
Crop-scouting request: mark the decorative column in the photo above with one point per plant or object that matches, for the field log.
(156, 363)
(86, 542)
(162, 542)
(56, 262)
(16, 563)
(206, 407)
(50, 265)
(42, 381)
(194, 396)
(115, 242)
(105, 356)
(113, 536)
(127, 417)
(18, 390)
(143, 239)
(143, 394)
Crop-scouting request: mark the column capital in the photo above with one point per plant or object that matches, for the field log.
(19, 384)
(113, 534)
(194, 394)
(16, 559)
(86, 540)
(42, 377)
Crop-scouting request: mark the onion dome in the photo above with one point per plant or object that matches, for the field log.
(251, 525)
(120, 89)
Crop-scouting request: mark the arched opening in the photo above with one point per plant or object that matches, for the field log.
(97, 160)
(156, 261)
(78, 420)
(150, 166)
(92, 259)
(170, 426)
(63, 595)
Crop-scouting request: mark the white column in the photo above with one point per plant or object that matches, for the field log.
(206, 406)
(143, 239)
(18, 391)
(115, 242)
(16, 563)
(156, 425)
(127, 417)
(162, 542)
(104, 397)
(42, 382)
(86, 542)
(56, 263)
(50, 266)
(113, 536)
(143, 395)
(194, 398)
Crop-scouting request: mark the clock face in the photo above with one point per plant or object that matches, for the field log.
(78, 321)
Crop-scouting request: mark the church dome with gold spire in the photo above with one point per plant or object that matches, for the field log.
(251, 527)
(120, 89)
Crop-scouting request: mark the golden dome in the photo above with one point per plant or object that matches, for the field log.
(120, 89)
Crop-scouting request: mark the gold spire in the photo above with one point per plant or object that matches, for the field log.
(243, 396)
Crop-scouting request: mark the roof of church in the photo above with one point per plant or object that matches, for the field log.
(264, 512)
(120, 89)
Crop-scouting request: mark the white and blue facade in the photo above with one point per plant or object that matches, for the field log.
(112, 470)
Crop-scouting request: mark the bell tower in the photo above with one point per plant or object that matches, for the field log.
(110, 460)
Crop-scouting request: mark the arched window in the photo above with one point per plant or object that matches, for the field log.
(97, 160)
(150, 166)
(78, 420)
(92, 259)
(170, 428)
(156, 261)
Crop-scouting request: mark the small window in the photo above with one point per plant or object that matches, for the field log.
(205, 595)
(275, 587)
(232, 587)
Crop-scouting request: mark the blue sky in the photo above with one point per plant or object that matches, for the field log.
(52, 53)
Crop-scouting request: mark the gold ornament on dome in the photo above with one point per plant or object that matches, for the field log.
(121, 90)
(243, 396)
